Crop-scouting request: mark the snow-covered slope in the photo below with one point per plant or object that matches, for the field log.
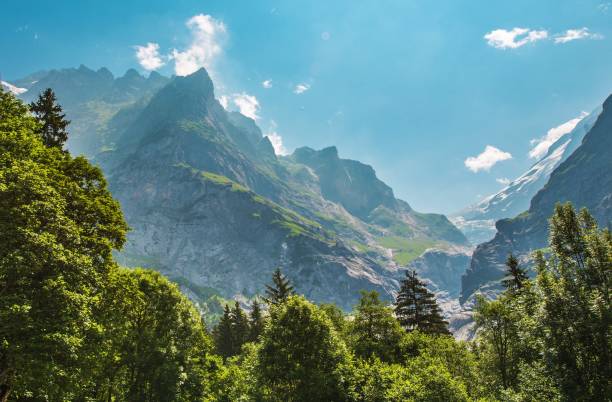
(478, 221)
(12, 88)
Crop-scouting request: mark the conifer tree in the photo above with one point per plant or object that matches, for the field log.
(416, 307)
(53, 121)
(517, 276)
(256, 322)
(240, 328)
(280, 289)
(222, 334)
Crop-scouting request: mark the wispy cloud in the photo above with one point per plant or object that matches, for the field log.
(514, 38)
(246, 104)
(208, 35)
(576, 34)
(267, 84)
(503, 181)
(148, 56)
(276, 140)
(486, 159)
(540, 145)
(301, 88)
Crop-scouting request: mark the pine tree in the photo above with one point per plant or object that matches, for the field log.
(222, 334)
(256, 322)
(280, 289)
(517, 276)
(240, 328)
(416, 307)
(53, 121)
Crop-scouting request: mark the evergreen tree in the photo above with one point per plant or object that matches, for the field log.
(256, 322)
(280, 289)
(240, 328)
(53, 121)
(517, 276)
(223, 334)
(416, 307)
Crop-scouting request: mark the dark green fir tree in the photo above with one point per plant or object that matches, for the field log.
(516, 277)
(256, 322)
(416, 307)
(280, 289)
(53, 121)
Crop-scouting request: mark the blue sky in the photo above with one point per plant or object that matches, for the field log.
(412, 87)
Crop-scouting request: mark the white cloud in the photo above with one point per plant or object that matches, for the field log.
(267, 84)
(207, 37)
(515, 38)
(224, 101)
(301, 88)
(575, 34)
(325, 35)
(503, 180)
(247, 104)
(276, 140)
(148, 56)
(604, 7)
(541, 145)
(486, 159)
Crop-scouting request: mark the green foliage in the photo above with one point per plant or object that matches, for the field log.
(257, 322)
(552, 337)
(301, 357)
(153, 345)
(58, 227)
(374, 331)
(416, 307)
(53, 121)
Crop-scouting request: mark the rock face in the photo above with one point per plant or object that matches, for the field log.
(584, 179)
(478, 221)
(213, 207)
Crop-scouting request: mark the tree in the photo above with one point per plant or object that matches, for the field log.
(53, 121)
(516, 276)
(280, 289)
(301, 358)
(576, 317)
(336, 315)
(498, 328)
(416, 307)
(223, 334)
(58, 228)
(240, 328)
(153, 346)
(256, 322)
(374, 332)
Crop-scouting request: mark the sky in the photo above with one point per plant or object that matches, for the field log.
(446, 99)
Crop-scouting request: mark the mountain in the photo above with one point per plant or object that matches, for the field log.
(90, 98)
(478, 221)
(215, 209)
(584, 179)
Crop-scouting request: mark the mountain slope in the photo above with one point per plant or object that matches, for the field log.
(214, 208)
(584, 178)
(478, 221)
